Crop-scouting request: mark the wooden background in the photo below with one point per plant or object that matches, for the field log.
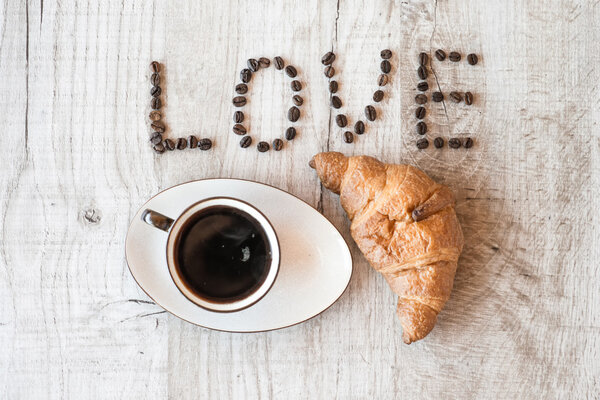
(524, 317)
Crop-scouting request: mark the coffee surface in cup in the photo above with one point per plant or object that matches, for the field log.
(223, 254)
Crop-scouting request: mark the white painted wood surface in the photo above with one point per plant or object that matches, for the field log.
(524, 317)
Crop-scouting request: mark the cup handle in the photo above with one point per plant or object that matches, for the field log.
(157, 220)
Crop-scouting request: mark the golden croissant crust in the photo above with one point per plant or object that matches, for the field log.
(405, 225)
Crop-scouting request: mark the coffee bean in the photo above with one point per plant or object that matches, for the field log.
(455, 143)
(169, 144)
(333, 87)
(438, 142)
(421, 99)
(155, 103)
(454, 56)
(468, 143)
(370, 113)
(155, 91)
(277, 144)
(155, 79)
(290, 133)
(262, 147)
(239, 129)
(421, 128)
(159, 148)
(181, 143)
(359, 127)
(437, 96)
(328, 58)
(245, 75)
(329, 71)
(156, 138)
(192, 142)
(291, 71)
(298, 100)
(385, 66)
(422, 72)
(472, 59)
(241, 88)
(440, 54)
(348, 137)
(423, 86)
(158, 127)
(456, 97)
(296, 86)
(252, 64)
(386, 54)
(154, 116)
(264, 62)
(420, 112)
(341, 120)
(336, 102)
(378, 96)
(468, 98)
(238, 117)
(206, 144)
(423, 58)
(239, 101)
(382, 80)
(278, 62)
(246, 140)
(422, 144)
(293, 114)
(155, 66)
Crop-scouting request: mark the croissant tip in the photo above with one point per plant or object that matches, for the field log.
(417, 215)
(311, 163)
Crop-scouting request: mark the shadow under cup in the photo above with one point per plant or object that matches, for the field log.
(223, 254)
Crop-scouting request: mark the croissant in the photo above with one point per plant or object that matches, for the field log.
(405, 225)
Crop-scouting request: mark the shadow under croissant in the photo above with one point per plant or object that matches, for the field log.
(486, 221)
(485, 271)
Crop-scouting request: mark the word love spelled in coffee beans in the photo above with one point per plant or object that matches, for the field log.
(157, 125)
(423, 99)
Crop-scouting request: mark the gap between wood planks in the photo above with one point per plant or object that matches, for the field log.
(437, 82)
(333, 47)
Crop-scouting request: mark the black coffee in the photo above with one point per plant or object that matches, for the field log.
(223, 254)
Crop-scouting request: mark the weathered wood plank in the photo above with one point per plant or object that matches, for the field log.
(524, 317)
(13, 163)
(74, 331)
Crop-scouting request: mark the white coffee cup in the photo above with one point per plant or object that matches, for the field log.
(175, 228)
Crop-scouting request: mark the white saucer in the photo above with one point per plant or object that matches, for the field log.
(315, 269)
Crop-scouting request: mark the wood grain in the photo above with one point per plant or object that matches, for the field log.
(524, 317)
